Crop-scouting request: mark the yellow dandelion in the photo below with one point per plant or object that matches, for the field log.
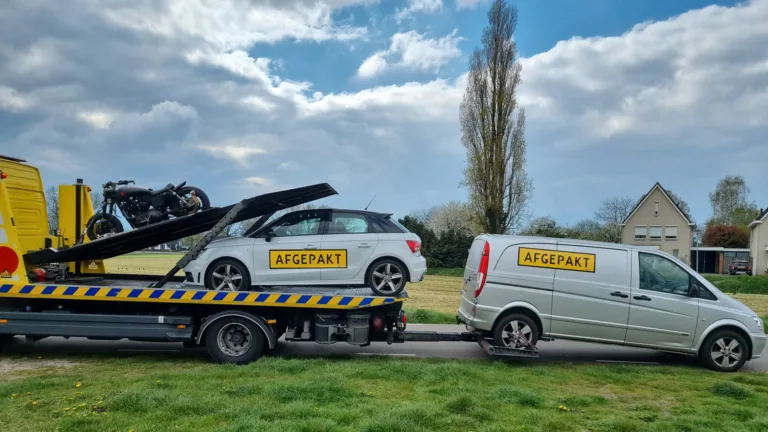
(78, 385)
(29, 393)
(14, 395)
(34, 402)
(99, 402)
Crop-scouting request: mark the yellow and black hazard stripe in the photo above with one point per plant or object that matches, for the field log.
(162, 295)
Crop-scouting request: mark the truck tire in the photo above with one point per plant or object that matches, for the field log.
(513, 325)
(724, 351)
(234, 340)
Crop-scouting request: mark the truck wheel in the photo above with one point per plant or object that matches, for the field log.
(513, 329)
(234, 340)
(386, 277)
(228, 275)
(724, 351)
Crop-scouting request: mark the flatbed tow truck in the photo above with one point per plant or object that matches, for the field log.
(66, 290)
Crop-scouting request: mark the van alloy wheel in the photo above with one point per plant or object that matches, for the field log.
(726, 352)
(516, 334)
(226, 277)
(388, 278)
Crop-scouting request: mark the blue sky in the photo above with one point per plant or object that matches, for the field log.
(241, 97)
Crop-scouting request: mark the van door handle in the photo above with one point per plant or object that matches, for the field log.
(311, 247)
(642, 297)
(619, 294)
(363, 245)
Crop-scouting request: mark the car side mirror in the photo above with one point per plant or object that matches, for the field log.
(693, 290)
(268, 235)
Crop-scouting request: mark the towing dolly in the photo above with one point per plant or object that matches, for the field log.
(66, 291)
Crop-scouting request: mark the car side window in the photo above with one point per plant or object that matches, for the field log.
(348, 223)
(298, 225)
(663, 275)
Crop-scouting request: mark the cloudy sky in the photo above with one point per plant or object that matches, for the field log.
(246, 96)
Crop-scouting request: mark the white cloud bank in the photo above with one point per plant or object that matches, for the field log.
(412, 51)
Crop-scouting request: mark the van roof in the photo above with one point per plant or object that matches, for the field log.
(512, 238)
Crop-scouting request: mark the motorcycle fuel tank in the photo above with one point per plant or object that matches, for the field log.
(126, 191)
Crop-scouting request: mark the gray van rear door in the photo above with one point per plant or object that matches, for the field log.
(591, 295)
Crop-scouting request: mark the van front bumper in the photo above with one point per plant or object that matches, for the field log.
(758, 344)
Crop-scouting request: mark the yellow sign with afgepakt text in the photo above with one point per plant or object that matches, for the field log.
(545, 258)
(301, 258)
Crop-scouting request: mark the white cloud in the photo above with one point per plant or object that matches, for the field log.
(679, 78)
(233, 24)
(411, 50)
(289, 165)
(414, 6)
(99, 120)
(261, 181)
(11, 100)
(468, 4)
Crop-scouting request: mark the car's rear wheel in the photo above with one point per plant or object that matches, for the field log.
(724, 351)
(516, 331)
(387, 277)
(228, 275)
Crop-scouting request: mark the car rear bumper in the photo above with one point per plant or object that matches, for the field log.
(477, 316)
(417, 269)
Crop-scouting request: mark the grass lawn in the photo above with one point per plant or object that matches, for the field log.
(164, 393)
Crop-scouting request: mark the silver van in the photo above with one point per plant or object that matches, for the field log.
(521, 289)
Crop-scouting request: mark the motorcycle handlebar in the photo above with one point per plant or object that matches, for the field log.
(118, 183)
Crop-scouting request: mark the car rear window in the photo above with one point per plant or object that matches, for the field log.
(392, 226)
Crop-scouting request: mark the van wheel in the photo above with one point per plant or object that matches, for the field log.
(387, 277)
(724, 351)
(515, 331)
(234, 340)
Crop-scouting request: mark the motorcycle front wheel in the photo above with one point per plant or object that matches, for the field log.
(102, 224)
(203, 203)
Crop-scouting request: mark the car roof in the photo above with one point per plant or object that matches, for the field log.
(363, 212)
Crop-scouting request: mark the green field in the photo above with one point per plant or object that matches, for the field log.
(172, 393)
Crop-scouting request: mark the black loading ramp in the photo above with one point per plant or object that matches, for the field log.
(174, 229)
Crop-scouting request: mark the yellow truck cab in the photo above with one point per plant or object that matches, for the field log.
(27, 199)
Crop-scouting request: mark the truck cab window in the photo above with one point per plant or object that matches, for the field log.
(663, 275)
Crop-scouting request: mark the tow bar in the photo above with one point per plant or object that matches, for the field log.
(524, 349)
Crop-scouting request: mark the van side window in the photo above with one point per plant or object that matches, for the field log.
(660, 274)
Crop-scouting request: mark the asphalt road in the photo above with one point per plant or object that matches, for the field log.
(558, 350)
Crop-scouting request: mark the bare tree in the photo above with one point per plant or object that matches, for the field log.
(493, 128)
(96, 199)
(729, 202)
(543, 226)
(611, 214)
(52, 208)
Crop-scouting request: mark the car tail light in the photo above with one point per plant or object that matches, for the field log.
(414, 245)
(482, 271)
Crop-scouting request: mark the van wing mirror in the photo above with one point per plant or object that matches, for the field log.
(693, 290)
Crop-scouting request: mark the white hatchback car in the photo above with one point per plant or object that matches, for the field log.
(314, 247)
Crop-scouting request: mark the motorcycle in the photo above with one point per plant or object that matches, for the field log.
(142, 207)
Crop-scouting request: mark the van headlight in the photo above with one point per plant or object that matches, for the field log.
(758, 321)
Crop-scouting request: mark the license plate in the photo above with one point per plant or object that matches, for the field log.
(298, 259)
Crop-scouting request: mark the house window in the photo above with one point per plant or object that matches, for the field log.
(655, 233)
(656, 208)
(670, 233)
(640, 232)
(676, 253)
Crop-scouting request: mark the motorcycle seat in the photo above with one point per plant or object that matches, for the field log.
(167, 188)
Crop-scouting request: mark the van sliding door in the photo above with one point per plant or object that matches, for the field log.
(591, 293)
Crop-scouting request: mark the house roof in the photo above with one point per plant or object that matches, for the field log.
(663, 191)
(760, 218)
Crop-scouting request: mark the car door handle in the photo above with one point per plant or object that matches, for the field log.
(363, 245)
(619, 294)
(642, 297)
(311, 247)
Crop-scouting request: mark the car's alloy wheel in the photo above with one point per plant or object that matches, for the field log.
(387, 278)
(727, 352)
(226, 277)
